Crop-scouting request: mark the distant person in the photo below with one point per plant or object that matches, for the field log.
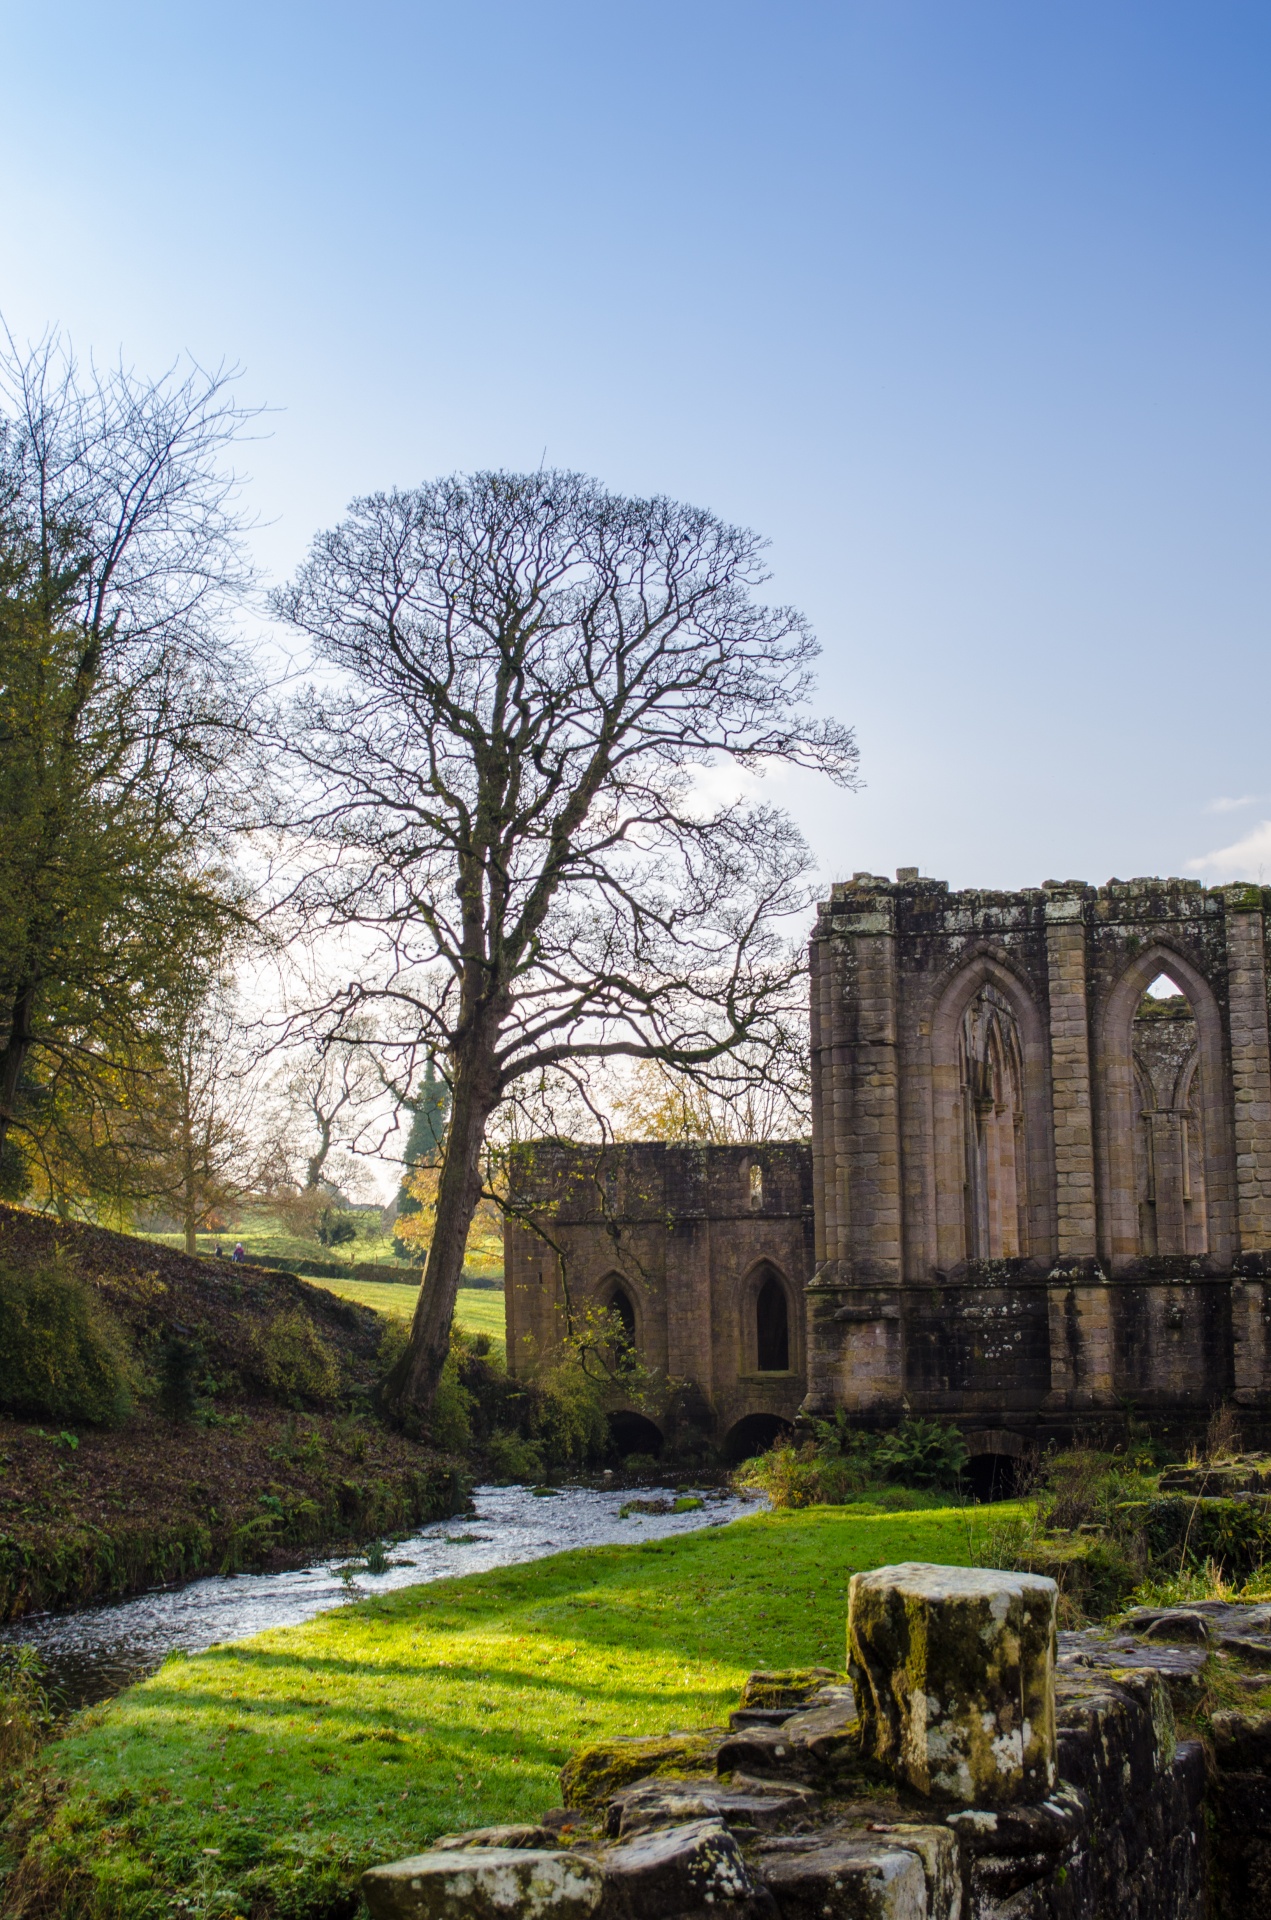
(239, 1253)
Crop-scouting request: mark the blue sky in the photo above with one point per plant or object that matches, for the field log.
(964, 303)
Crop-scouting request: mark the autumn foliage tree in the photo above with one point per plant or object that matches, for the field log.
(121, 711)
(499, 776)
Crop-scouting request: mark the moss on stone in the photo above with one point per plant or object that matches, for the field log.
(786, 1686)
(592, 1776)
(953, 1670)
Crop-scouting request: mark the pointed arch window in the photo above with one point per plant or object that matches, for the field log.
(620, 1303)
(772, 1326)
(990, 1059)
(1169, 1146)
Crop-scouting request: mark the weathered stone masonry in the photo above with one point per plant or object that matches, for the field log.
(1039, 1199)
(704, 1251)
(1039, 1194)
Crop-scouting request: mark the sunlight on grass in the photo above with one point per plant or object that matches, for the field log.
(305, 1754)
(477, 1309)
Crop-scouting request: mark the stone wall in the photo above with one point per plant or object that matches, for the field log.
(689, 1236)
(995, 1771)
(1034, 1197)
(1036, 1189)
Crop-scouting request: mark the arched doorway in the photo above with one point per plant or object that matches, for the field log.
(754, 1434)
(1169, 1144)
(772, 1325)
(631, 1432)
(990, 1476)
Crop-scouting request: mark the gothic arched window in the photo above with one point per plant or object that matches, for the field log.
(1169, 1148)
(991, 1063)
(620, 1304)
(772, 1326)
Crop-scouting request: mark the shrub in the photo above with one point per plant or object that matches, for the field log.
(842, 1462)
(179, 1363)
(921, 1453)
(568, 1418)
(393, 1343)
(62, 1355)
(512, 1458)
(296, 1361)
(450, 1416)
(26, 1715)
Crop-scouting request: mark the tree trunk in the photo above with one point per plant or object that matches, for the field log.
(412, 1385)
(13, 1057)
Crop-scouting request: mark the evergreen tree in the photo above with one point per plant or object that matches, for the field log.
(430, 1110)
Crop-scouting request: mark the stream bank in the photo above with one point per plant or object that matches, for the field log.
(93, 1515)
(94, 1653)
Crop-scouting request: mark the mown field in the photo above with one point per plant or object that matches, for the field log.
(477, 1309)
(262, 1778)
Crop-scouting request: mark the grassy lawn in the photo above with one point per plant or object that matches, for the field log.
(262, 1232)
(477, 1309)
(263, 1777)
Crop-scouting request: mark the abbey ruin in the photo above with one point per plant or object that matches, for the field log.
(1037, 1197)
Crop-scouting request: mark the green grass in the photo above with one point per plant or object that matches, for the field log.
(262, 1232)
(477, 1309)
(266, 1775)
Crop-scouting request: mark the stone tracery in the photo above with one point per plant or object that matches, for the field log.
(990, 1061)
(1169, 1136)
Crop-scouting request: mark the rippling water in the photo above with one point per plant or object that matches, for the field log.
(94, 1653)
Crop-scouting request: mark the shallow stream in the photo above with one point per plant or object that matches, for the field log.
(99, 1650)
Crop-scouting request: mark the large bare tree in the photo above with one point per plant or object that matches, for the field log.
(502, 774)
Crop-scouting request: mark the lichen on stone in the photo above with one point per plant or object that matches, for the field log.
(592, 1776)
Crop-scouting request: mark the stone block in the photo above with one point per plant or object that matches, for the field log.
(517, 1835)
(802, 1744)
(848, 1880)
(594, 1774)
(674, 1871)
(485, 1883)
(786, 1687)
(746, 1804)
(1242, 1742)
(954, 1675)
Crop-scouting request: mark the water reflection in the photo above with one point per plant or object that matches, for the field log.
(94, 1653)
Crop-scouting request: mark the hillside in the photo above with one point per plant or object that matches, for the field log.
(267, 1447)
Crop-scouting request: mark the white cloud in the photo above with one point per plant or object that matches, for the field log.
(1225, 805)
(1247, 859)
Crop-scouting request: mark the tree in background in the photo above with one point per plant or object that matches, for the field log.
(122, 704)
(327, 1110)
(191, 1143)
(658, 1103)
(501, 779)
(429, 1110)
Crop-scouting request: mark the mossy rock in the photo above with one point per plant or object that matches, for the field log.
(592, 1776)
(787, 1686)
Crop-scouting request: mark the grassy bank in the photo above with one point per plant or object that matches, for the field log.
(264, 1230)
(120, 1511)
(262, 1778)
(239, 1433)
(477, 1309)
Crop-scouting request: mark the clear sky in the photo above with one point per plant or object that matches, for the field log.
(964, 303)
